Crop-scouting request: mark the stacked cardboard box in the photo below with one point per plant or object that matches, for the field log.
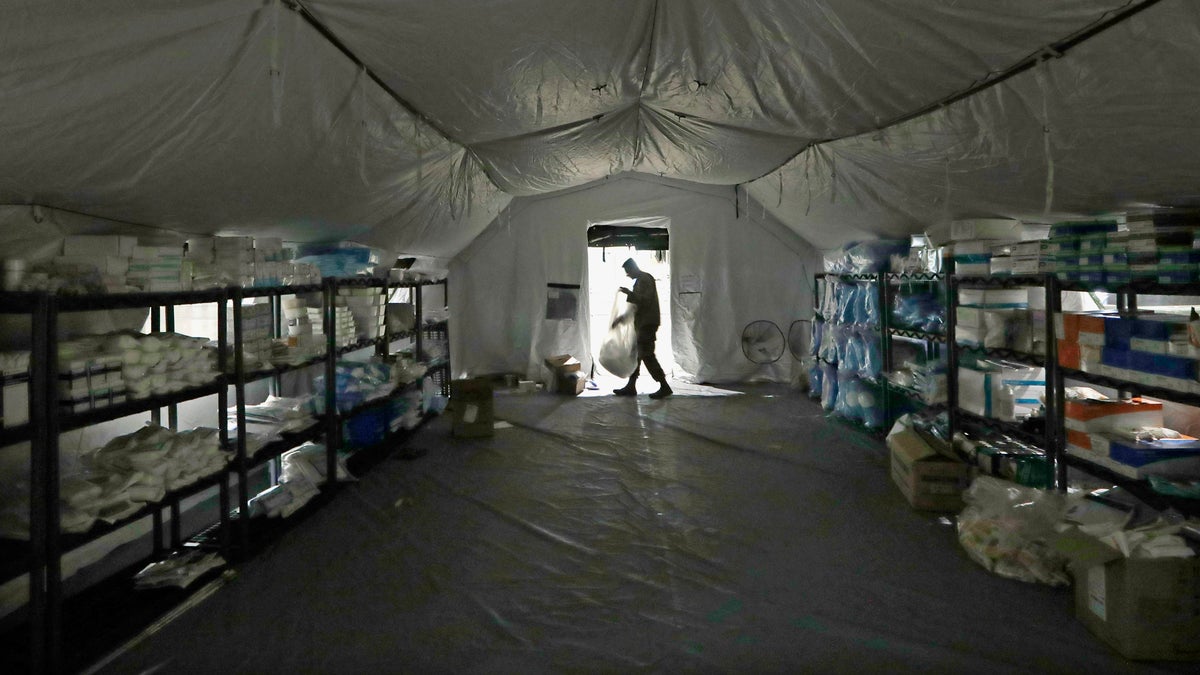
(999, 389)
(975, 241)
(368, 306)
(158, 269)
(257, 333)
(344, 333)
(1026, 258)
(1143, 607)
(931, 479)
(1078, 248)
(1004, 310)
(1162, 246)
(1146, 348)
(565, 375)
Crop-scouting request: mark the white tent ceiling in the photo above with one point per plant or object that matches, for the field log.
(410, 124)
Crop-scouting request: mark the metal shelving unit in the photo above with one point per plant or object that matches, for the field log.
(1126, 302)
(890, 288)
(959, 418)
(41, 556)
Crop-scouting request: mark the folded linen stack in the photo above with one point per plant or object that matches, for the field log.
(160, 363)
(118, 479)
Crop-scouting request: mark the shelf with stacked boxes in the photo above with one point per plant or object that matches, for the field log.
(1136, 353)
(1001, 409)
(87, 380)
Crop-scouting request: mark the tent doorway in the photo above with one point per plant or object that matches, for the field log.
(610, 243)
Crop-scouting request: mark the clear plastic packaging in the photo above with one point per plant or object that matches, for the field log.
(871, 364)
(829, 386)
(1005, 528)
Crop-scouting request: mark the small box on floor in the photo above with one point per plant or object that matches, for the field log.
(929, 481)
(565, 375)
(471, 404)
(1145, 608)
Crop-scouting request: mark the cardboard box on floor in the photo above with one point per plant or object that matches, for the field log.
(1145, 608)
(473, 414)
(929, 480)
(565, 375)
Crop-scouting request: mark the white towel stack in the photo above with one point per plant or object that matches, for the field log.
(118, 479)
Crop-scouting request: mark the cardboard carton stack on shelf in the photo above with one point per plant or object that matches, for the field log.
(995, 318)
(972, 244)
(1021, 258)
(256, 334)
(1003, 390)
(107, 255)
(1128, 438)
(344, 323)
(368, 307)
(1149, 348)
(269, 261)
(1164, 246)
(158, 269)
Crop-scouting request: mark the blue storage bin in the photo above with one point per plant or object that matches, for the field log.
(366, 428)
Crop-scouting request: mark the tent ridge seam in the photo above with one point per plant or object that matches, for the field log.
(312, 20)
(1056, 49)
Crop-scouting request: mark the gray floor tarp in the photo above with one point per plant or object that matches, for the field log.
(740, 533)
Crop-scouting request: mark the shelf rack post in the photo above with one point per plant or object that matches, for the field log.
(1055, 396)
(418, 348)
(333, 434)
(952, 353)
(42, 397)
(223, 424)
(239, 385)
(54, 594)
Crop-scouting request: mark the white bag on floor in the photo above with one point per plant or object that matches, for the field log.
(618, 354)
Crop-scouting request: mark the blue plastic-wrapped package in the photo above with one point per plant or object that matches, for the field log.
(868, 305)
(818, 331)
(871, 361)
(829, 386)
(842, 335)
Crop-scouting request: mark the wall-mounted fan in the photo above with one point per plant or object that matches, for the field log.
(798, 337)
(763, 342)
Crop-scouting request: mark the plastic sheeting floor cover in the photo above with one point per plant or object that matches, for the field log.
(734, 534)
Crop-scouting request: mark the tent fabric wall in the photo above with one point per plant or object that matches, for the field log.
(1101, 129)
(747, 268)
(226, 116)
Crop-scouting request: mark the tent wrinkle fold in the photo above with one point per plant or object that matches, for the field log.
(410, 125)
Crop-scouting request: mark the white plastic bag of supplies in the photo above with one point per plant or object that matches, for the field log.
(618, 354)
